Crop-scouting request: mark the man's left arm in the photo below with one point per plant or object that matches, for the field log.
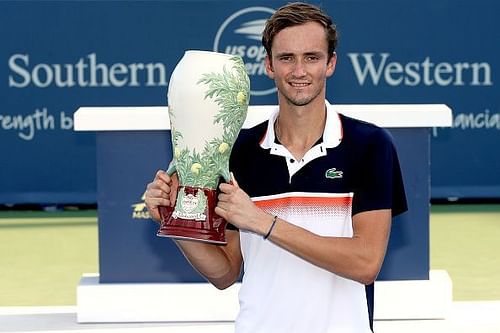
(357, 258)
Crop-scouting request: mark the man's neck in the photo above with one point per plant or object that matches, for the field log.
(298, 128)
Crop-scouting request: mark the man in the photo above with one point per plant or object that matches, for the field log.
(312, 196)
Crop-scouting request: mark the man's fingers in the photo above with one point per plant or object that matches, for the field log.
(165, 178)
(162, 191)
(153, 203)
(162, 175)
(223, 205)
(221, 212)
(164, 186)
(157, 189)
(226, 188)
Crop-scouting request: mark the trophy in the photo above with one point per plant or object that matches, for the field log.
(208, 97)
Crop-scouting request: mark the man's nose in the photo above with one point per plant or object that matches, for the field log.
(299, 69)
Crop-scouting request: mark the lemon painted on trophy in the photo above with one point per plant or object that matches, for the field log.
(223, 147)
(177, 152)
(241, 97)
(195, 168)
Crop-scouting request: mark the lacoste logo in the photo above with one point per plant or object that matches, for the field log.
(333, 173)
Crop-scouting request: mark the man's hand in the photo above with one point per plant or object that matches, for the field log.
(236, 207)
(220, 265)
(162, 191)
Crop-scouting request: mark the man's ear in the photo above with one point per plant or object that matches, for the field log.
(330, 66)
(269, 67)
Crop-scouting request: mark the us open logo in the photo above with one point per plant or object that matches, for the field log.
(241, 34)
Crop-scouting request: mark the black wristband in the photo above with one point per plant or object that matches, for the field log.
(271, 227)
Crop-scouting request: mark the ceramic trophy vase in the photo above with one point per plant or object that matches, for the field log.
(208, 97)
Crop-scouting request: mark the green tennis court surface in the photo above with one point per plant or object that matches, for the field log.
(465, 240)
(43, 254)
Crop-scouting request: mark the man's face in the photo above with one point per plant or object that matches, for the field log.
(300, 63)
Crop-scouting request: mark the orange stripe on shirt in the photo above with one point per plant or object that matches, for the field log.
(304, 201)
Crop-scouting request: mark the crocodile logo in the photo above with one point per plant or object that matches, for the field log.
(333, 173)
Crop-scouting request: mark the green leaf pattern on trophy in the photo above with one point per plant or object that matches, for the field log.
(230, 90)
(176, 135)
(202, 203)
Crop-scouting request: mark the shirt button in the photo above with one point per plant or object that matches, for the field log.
(292, 160)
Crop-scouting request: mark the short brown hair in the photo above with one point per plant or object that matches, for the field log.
(297, 13)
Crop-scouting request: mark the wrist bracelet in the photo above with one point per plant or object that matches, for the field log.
(271, 227)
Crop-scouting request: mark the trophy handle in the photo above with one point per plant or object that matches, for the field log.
(226, 174)
(166, 212)
(171, 168)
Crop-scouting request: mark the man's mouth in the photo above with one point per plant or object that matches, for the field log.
(298, 84)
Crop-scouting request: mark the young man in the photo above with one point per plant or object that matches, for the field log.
(312, 197)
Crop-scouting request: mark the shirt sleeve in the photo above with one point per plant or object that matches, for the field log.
(379, 183)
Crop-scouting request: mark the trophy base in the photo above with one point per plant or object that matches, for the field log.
(210, 229)
(189, 234)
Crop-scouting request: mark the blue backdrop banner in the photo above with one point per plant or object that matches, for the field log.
(59, 55)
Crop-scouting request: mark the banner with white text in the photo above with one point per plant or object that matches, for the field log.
(59, 55)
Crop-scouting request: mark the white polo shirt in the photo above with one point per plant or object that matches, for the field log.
(281, 292)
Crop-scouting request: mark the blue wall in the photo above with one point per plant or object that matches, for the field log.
(59, 55)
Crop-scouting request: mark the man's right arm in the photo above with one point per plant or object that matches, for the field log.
(220, 265)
